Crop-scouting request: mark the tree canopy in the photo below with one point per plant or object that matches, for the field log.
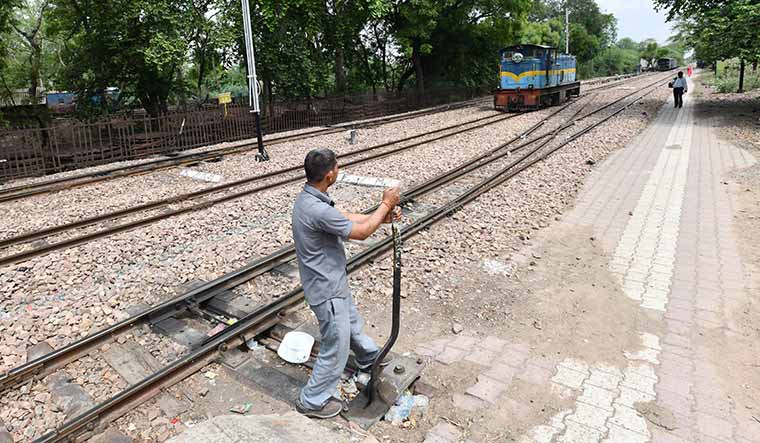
(717, 29)
(182, 52)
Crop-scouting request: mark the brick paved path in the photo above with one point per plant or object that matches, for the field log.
(663, 214)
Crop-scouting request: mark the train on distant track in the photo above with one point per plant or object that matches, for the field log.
(666, 64)
(534, 76)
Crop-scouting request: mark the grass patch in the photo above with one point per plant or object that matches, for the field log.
(727, 79)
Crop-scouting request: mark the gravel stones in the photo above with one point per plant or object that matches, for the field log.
(65, 295)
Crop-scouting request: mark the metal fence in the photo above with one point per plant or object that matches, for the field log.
(68, 144)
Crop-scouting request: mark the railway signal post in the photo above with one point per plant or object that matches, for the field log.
(253, 85)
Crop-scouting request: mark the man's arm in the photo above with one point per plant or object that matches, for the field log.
(366, 225)
(356, 218)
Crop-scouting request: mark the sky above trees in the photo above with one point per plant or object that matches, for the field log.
(637, 19)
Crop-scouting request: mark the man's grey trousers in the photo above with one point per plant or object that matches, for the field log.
(341, 328)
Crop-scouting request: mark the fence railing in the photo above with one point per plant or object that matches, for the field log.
(69, 144)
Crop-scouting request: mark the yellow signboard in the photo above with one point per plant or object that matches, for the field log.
(225, 97)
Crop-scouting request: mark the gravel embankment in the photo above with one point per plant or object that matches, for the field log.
(70, 293)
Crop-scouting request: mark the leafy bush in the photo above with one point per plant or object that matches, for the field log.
(728, 81)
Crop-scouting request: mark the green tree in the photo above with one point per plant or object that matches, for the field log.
(138, 45)
(29, 26)
(718, 29)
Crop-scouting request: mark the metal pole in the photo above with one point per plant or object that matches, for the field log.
(567, 30)
(396, 320)
(253, 84)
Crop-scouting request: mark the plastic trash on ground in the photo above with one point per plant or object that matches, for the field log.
(296, 347)
(406, 406)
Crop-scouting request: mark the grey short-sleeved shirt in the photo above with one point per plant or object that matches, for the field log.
(319, 231)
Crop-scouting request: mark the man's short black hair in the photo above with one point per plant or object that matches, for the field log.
(318, 163)
(680, 73)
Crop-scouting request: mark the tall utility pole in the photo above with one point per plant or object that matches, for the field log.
(567, 30)
(253, 84)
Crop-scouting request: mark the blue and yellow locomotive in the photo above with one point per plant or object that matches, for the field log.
(534, 76)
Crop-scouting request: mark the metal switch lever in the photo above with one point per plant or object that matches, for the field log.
(375, 372)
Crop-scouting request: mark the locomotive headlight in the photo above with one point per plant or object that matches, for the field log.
(517, 57)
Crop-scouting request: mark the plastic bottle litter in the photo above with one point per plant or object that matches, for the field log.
(406, 406)
(252, 344)
(401, 410)
(362, 378)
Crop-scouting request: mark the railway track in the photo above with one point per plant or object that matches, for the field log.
(515, 156)
(60, 184)
(28, 190)
(282, 177)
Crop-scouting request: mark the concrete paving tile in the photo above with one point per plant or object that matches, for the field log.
(543, 434)
(482, 357)
(679, 405)
(682, 315)
(715, 406)
(708, 439)
(464, 342)
(678, 327)
(487, 389)
(618, 434)
(535, 374)
(685, 364)
(679, 303)
(604, 379)
(513, 355)
(589, 416)
(714, 427)
(446, 431)
(629, 397)
(569, 377)
(630, 419)
(663, 436)
(577, 433)
(501, 372)
(646, 354)
(634, 379)
(450, 355)
(425, 351)
(493, 343)
(680, 350)
(543, 361)
(435, 438)
(468, 402)
(709, 316)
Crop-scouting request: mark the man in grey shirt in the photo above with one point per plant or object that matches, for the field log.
(319, 230)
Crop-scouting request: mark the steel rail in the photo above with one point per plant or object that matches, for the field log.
(23, 238)
(266, 316)
(35, 235)
(48, 363)
(31, 189)
(52, 361)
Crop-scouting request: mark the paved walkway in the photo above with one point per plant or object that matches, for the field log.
(665, 217)
(662, 207)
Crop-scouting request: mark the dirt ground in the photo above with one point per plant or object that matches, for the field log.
(551, 290)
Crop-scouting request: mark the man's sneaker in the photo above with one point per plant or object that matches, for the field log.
(386, 361)
(332, 408)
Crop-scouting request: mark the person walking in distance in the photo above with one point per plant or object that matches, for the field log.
(680, 87)
(319, 230)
